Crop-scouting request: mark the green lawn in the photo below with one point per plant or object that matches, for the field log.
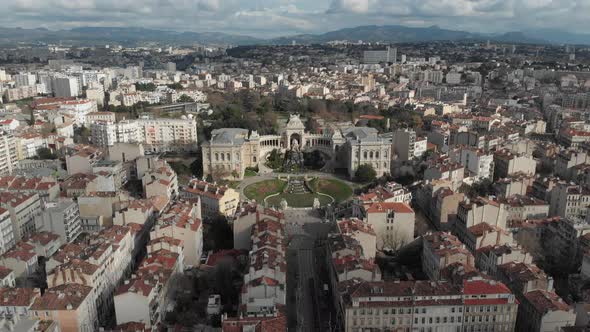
(230, 183)
(249, 172)
(298, 200)
(260, 190)
(335, 188)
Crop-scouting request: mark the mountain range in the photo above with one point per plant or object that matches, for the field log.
(371, 33)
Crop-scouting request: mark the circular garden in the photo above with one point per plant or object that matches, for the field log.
(298, 192)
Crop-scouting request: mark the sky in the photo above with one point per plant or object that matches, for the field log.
(272, 18)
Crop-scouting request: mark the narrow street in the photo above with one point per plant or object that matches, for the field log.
(303, 284)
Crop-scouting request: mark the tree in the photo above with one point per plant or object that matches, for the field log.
(313, 160)
(185, 99)
(275, 159)
(365, 173)
(45, 153)
(83, 135)
(175, 86)
(145, 87)
(391, 241)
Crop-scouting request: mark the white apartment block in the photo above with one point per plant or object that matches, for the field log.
(393, 223)
(24, 208)
(25, 79)
(157, 135)
(63, 219)
(65, 86)
(478, 163)
(8, 153)
(6, 233)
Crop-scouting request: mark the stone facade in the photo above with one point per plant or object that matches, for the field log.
(231, 150)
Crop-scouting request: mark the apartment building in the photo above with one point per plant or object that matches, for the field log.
(489, 306)
(444, 169)
(517, 184)
(63, 219)
(440, 250)
(182, 221)
(507, 163)
(22, 260)
(362, 232)
(79, 184)
(100, 117)
(488, 258)
(544, 311)
(566, 160)
(522, 207)
(140, 211)
(81, 158)
(473, 212)
(439, 202)
(17, 301)
(69, 305)
(8, 153)
(407, 146)
(46, 187)
(246, 216)
(478, 163)
(7, 239)
(215, 200)
(484, 234)
(476, 304)
(391, 192)
(98, 208)
(44, 243)
(265, 283)
(404, 306)
(569, 201)
(24, 208)
(161, 171)
(393, 222)
(157, 135)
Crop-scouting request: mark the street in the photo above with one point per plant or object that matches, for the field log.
(304, 227)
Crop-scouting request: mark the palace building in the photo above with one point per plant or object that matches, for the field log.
(231, 150)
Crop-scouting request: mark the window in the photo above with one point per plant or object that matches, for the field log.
(216, 157)
(423, 310)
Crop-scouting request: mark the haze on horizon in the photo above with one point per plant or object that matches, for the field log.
(272, 18)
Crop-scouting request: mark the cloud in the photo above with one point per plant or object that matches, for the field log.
(266, 18)
(350, 6)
